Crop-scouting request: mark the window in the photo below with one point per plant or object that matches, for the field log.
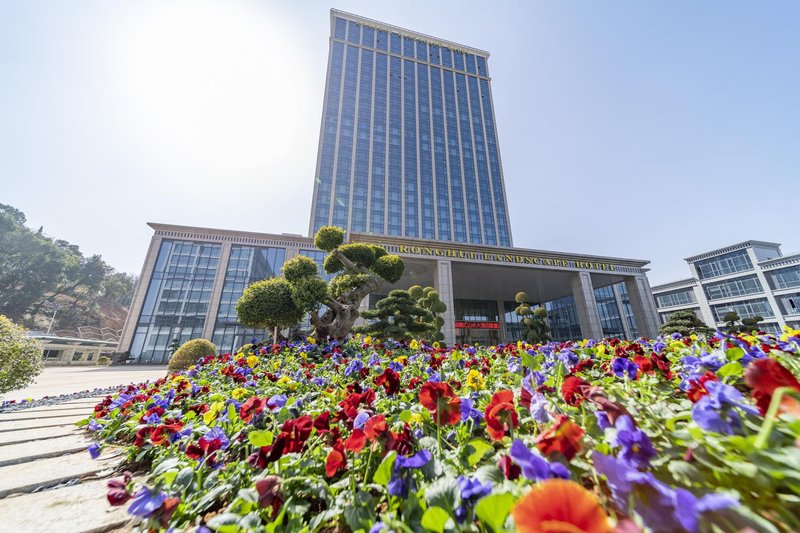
(746, 309)
(51, 355)
(675, 298)
(608, 309)
(786, 278)
(790, 303)
(733, 287)
(563, 319)
(77, 356)
(475, 310)
(724, 264)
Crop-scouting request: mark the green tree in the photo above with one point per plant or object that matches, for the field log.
(730, 319)
(189, 353)
(534, 325)
(20, 357)
(398, 316)
(750, 324)
(685, 323)
(332, 306)
(428, 299)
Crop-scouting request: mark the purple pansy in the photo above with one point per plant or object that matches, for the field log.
(637, 450)
(146, 502)
(534, 466)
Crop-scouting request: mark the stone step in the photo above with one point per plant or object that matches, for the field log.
(77, 508)
(27, 435)
(27, 415)
(60, 407)
(42, 449)
(45, 473)
(14, 425)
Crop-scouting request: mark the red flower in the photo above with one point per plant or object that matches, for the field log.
(356, 441)
(336, 460)
(584, 365)
(573, 390)
(251, 407)
(322, 423)
(193, 451)
(297, 431)
(118, 490)
(764, 377)
(160, 435)
(442, 402)
(510, 469)
(269, 493)
(375, 427)
(697, 387)
(390, 381)
(501, 414)
(563, 436)
(141, 436)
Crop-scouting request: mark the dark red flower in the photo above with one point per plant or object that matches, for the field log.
(564, 436)
(251, 407)
(118, 490)
(336, 460)
(141, 436)
(356, 441)
(501, 414)
(510, 469)
(573, 390)
(764, 377)
(697, 387)
(584, 365)
(400, 442)
(193, 451)
(440, 400)
(297, 431)
(390, 381)
(322, 423)
(161, 435)
(269, 493)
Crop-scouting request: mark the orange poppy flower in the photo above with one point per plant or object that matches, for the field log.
(560, 506)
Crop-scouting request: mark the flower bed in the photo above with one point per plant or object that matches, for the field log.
(588, 436)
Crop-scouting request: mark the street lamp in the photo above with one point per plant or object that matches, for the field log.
(52, 319)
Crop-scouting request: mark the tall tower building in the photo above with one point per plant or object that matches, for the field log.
(408, 144)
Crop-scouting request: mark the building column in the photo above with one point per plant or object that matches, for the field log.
(216, 291)
(586, 306)
(643, 305)
(139, 294)
(622, 315)
(444, 284)
(501, 317)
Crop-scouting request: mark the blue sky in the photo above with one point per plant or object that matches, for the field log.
(653, 130)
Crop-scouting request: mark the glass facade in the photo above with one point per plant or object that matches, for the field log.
(728, 263)
(409, 145)
(475, 310)
(609, 312)
(681, 297)
(563, 318)
(177, 299)
(746, 309)
(733, 287)
(627, 310)
(786, 278)
(513, 328)
(246, 265)
(790, 303)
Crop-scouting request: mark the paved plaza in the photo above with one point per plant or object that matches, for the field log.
(57, 380)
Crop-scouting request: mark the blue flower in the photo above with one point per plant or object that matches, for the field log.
(472, 490)
(217, 433)
(319, 382)
(94, 450)
(717, 411)
(355, 366)
(534, 466)
(658, 347)
(435, 378)
(153, 419)
(637, 450)
(402, 475)
(468, 410)
(94, 425)
(623, 367)
(360, 420)
(277, 401)
(538, 408)
(146, 502)
(602, 420)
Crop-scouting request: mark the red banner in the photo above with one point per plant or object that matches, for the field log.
(477, 325)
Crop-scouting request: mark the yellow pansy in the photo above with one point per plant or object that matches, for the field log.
(789, 332)
(178, 379)
(283, 379)
(475, 380)
(311, 340)
(414, 345)
(367, 340)
(276, 364)
(601, 349)
(213, 411)
(416, 417)
(252, 361)
(402, 360)
(240, 392)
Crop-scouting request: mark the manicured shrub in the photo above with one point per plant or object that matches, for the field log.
(268, 304)
(328, 238)
(103, 360)
(298, 268)
(189, 353)
(389, 267)
(20, 357)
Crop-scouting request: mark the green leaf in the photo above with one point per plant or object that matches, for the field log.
(184, 479)
(734, 354)
(260, 437)
(84, 422)
(479, 448)
(223, 519)
(493, 510)
(444, 493)
(233, 414)
(434, 519)
(405, 416)
(384, 472)
(165, 466)
(733, 369)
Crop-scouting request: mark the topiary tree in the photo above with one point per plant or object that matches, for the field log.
(360, 269)
(534, 326)
(428, 299)
(398, 316)
(189, 353)
(750, 324)
(730, 319)
(20, 357)
(685, 323)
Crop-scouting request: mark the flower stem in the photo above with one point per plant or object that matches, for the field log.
(772, 416)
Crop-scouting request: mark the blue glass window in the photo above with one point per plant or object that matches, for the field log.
(383, 40)
(608, 309)
(408, 47)
(396, 43)
(467, 163)
(368, 37)
(358, 218)
(425, 155)
(447, 57)
(395, 200)
(481, 66)
(786, 278)
(471, 64)
(503, 232)
(341, 199)
(410, 150)
(377, 207)
(433, 54)
(458, 60)
(454, 156)
(484, 185)
(354, 32)
(440, 157)
(563, 318)
(177, 299)
(331, 124)
(422, 51)
(724, 264)
(340, 28)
